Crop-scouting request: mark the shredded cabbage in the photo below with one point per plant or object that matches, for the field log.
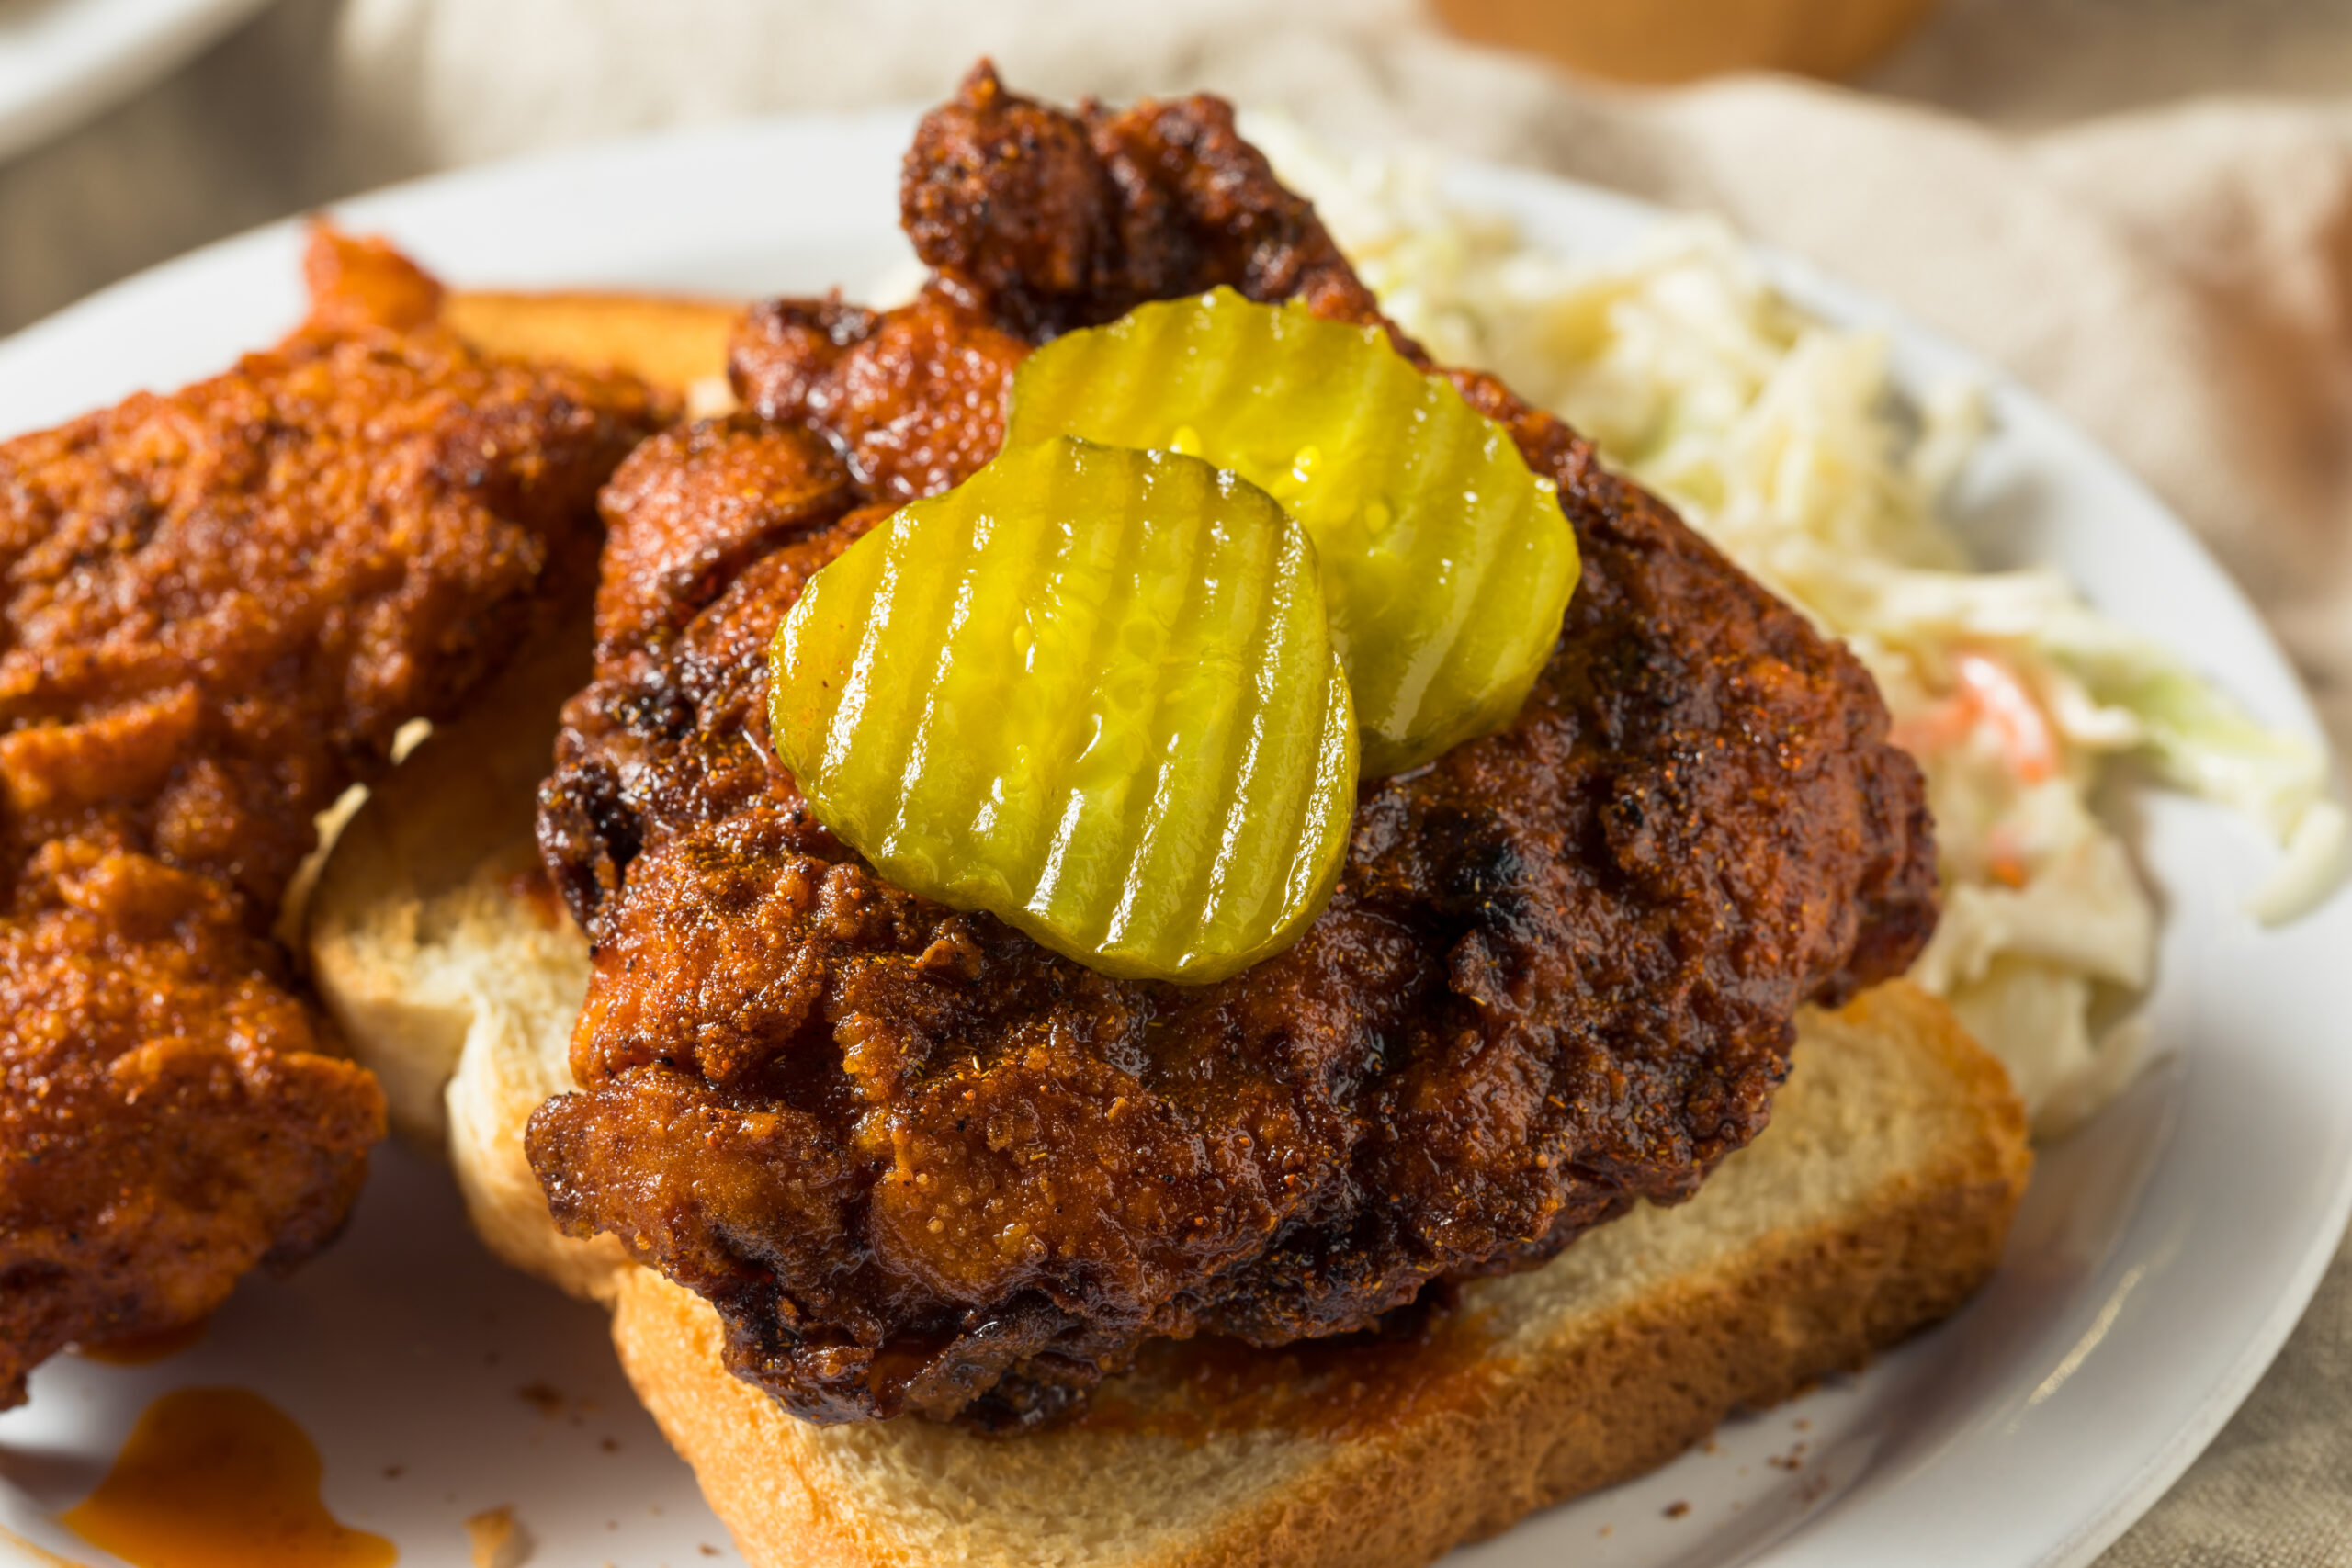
(1784, 439)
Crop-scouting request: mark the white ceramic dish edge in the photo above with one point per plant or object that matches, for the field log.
(72, 59)
(88, 355)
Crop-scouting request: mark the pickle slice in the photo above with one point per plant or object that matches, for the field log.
(1446, 562)
(1092, 690)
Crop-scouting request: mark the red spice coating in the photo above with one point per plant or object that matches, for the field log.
(216, 608)
(921, 1164)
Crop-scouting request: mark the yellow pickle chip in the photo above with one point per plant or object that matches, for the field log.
(1092, 690)
(1446, 561)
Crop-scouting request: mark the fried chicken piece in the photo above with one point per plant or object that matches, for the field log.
(920, 1163)
(218, 608)
(1045, 222)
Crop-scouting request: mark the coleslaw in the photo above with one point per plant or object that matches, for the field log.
(1784, 439)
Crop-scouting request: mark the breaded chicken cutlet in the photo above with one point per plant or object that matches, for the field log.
(923, 1165)
(216, 608)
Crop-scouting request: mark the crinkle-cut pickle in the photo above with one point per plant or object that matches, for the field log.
(1092, 690)
(1447, 563)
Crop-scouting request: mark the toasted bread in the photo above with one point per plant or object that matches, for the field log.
(416, 926)
(672, 342)
(1874, 1204)
(1876, 1201)
(453, 970)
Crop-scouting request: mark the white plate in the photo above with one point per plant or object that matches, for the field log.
(63, 61)
(2161, 1255)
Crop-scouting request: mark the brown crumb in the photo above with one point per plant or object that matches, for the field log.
(542, 1397)
(1801, 1425)
(1710, 1446)
(394, 1472)
(610, 1445)
(1676, 1508)
(707, 1550)
(498, 1541)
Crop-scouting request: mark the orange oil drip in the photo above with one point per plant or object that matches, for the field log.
(220, 1478)
(139, 1349)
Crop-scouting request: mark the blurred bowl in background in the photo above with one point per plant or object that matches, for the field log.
(1679, 40)
(63, 60)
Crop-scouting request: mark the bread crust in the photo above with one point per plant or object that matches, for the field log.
(672, 342)
(1589, 1383)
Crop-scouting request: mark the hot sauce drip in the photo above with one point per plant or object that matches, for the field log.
(220, 1478)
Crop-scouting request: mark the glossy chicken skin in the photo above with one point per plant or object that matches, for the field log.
(923, 1165)
(217, 607)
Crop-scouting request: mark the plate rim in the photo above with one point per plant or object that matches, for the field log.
(1814, 287)
(90, 77)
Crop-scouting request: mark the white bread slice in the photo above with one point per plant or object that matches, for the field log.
(1876, 1201)
(437, 944)
(1874, 1204)
(672, 342)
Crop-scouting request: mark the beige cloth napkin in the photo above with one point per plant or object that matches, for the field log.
(2179, 283)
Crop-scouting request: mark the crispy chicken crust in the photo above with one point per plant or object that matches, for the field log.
(218, 608)
(923, 1165)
